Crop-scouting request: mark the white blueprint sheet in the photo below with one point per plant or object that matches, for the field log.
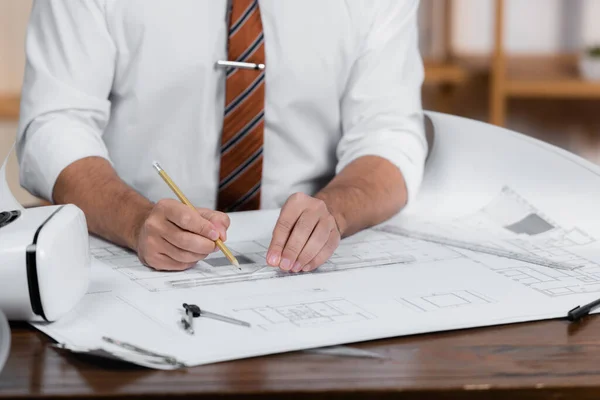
(535, 200)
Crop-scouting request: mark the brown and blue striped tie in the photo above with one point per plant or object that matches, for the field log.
(242, 141)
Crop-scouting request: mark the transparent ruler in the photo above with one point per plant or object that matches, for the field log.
(528, 258)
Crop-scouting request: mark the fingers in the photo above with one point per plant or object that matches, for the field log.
(303, 229)
(290, 213)
(303, 236)
(167, 240)
(326, 252)
(175, 236)
(184, 240)
(187, 218)
(220, 221)
(162, 262)
(314, 245)
(182, 255)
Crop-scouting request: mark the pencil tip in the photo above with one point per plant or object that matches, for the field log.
(156, 165)
(236, 263)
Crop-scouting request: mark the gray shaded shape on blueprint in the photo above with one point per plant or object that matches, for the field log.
(531, 225)
(224, 262)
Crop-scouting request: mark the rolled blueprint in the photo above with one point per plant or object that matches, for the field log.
(7, 199)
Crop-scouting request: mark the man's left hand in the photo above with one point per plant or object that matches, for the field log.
(305, 236)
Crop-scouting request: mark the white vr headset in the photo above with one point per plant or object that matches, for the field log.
(44, 262)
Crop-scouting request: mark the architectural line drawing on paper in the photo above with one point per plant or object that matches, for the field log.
(304, 314)
(552, 283)
(538, 234)
(366, 249)
(531, 231)
(512, 225)
(444, 300)
(481, 248)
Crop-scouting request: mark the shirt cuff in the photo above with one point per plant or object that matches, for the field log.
(407, 153)
(51, 146)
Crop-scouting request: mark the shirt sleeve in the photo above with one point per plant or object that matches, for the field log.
(64, 102)
(381, 108)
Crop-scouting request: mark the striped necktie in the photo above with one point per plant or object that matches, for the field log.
(242, 141)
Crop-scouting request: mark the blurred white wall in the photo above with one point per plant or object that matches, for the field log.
(591, 28)
(531, 26)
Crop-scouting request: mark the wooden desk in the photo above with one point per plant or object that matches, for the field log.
(542, 360)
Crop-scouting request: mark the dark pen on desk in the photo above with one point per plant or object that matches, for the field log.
(581, 311)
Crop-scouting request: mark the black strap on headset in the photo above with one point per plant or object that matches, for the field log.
(32, 276)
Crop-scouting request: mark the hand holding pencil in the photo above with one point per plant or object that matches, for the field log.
(218, 242)
(176, 235)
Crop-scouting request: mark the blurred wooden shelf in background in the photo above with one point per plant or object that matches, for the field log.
(9, 106)
(548, 76)
(541, 76)
(444, 72)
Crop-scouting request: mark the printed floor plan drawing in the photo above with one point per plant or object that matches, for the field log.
(370, 248)
(444, 300)
(520, 231)
(510, 227)
(526, 230)
(304, 314)
(550, 282)
(532, 231)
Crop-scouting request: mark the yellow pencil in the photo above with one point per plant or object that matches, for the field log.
(185, 201)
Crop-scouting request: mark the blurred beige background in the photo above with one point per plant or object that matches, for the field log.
(13, 20)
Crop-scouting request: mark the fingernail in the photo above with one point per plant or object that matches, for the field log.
(297, 267)
(285, 264)
(306, 269)
(273, 259)
(213, 235)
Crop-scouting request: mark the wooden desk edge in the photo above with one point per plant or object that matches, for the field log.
(65, 376)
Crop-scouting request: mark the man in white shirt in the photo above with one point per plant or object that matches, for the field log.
(330, 130)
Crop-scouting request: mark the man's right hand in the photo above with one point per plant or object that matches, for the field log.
(174, 237)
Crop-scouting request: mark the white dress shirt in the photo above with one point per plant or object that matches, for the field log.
(135, 81)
